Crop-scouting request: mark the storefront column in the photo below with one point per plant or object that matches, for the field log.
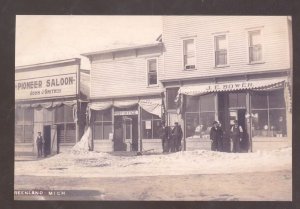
(216, 106)
(140, 146)
(77, 123)
(249, 119)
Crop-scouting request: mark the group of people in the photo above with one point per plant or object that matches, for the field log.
(217, 136)
(171, 138)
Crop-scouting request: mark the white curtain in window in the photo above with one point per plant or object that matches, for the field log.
(152, 106)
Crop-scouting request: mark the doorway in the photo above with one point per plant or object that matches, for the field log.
(126, 133)
(47, 138)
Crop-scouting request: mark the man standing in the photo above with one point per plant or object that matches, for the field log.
(40, 144)
(220, 139)
(215, 136)
(177, 137)
(236, 133)
(163, 136)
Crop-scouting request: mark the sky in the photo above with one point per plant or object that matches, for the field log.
(47, 38)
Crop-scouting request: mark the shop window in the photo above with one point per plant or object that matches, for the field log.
(269, 116)
(255, 46)
(24, 125)
(66, 133)
(189, 54)
(237, 100)
(150, 125)
(220, 50)
(199, 118)
(207, 102)
(102, 125)
(152, 71)
(171, 96)
(64, 114)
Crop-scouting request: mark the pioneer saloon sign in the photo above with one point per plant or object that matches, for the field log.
(46, 87)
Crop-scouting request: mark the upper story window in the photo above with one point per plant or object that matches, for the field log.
(189, 54)
(255, 46)
(152, 71)
(220, 50)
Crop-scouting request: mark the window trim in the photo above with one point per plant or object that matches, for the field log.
(182, 52)
(147, 71)
(101, 123)
(215, 35)
(248, 31)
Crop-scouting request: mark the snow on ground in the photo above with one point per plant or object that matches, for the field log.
(97, 164)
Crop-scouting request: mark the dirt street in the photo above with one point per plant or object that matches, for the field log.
(274, 186)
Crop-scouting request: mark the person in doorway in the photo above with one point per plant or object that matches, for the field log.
(40, 144)
(220, 140)
(236, 133)
(176, 137)
(215, 136)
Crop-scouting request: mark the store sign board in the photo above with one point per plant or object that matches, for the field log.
(46, 87)
(129, 112)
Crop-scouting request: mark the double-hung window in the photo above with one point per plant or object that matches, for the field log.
(220, 50)
(255, 46)
(189, 54)
(152, 71)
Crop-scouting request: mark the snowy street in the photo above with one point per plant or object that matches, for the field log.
(190, 175)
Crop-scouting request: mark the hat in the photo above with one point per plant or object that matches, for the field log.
(215, 122)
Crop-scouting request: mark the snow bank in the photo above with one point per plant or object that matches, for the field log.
(82, 146)
(95, 164)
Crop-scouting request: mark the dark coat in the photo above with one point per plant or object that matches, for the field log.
(177, 133)
(40, 140)
(216, 134)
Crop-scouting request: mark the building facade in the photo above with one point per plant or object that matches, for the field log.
(49, 98)
(126, 98)
(228, 68)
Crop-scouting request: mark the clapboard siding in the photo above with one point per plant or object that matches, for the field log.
(124, 75)
(203, 29)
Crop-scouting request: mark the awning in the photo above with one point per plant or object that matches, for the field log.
(152, 106)
(269, 84)
(100, 105)
(125, 103)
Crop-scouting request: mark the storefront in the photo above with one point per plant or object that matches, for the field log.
(130, 124)
(48, 99)
(261, 107)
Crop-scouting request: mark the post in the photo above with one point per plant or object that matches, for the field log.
(139, 130)
(249, 120)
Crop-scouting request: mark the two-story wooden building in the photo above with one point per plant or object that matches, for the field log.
(50, 98)
(229, 68)
(126, 97)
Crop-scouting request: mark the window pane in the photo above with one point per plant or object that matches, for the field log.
(152, 79)
(97, 131)
(278, 123)
(189, 52)
(171, 95)
(70, 133)
(68, 114)
(189, 46)
(146, 115)
(28, 133)
(255, 53)
(59, 114)
(241, 100)
(260, 123)
(254, 38)
(152, 65)
(19, 133)
(221, 57)
(19, 115)
(128, 128)
(221, 42)
(107, 116)
(107, 129)
(147, 131)
(193, 128)
(207, 102)
(206, 119)
(60, 133)
(259, 100)
(192, 104)
(28, 114)
(276, 99)
(156, 128)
